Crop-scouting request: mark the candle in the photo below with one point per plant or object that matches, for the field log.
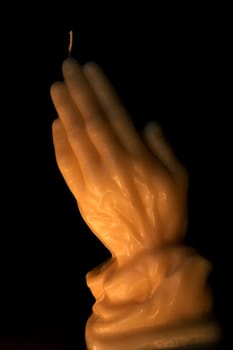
(131, 191)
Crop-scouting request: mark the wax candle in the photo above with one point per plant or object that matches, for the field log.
(131, 191)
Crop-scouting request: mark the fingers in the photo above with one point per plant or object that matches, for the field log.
(114, 110)
(90, 110)
(72, 121)
(67, 111)
(155, 139)
(66, 159)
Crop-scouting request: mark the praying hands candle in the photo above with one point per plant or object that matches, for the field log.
(132, 192)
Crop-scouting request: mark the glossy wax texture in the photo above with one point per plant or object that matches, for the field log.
(131, 191)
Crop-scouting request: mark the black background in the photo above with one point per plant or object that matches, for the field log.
(170, 65)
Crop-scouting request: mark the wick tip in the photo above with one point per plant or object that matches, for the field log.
(71, 42)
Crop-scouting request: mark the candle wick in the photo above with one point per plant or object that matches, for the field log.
(71, 43)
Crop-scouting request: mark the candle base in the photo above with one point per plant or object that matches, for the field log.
(195, 334)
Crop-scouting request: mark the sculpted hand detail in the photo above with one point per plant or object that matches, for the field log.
(131, 191)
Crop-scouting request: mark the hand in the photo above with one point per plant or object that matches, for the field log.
(131, 190)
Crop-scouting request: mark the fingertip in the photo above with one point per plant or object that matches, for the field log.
(56, 87)
(91, 66)
(70, 65)
(152, 128)
(56, 125)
